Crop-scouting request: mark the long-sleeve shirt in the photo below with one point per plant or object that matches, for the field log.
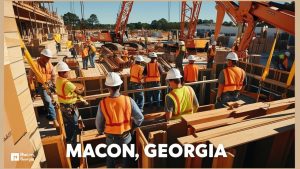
(136, 114)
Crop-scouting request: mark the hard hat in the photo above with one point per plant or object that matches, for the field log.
(139, 58)
(62, 67)
(47, 52)
(113, 79)
(191, 57)
(232, 56)
(287, 53)
(173, 73)
(181, 43)
(152, 55)
(214, 43)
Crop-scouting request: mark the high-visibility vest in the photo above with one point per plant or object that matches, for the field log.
(136, 72)
(153, 74)
(191, 73)
(64, 96)
(285, 62)
(211, 53)
(125, 55)
(85, 52)
(45, 71)
(57, 37)
(182, 49)
(183, 101)
(234, 78)
(117, 114)
(93, 48)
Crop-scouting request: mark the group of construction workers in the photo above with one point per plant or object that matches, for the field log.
(88, 53)
(117, 114)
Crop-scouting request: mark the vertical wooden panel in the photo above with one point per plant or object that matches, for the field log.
(224, 162)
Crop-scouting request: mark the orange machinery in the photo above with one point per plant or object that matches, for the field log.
(248, 13)
(190, 14)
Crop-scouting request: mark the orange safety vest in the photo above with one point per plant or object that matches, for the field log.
(117, 114)
(234, 78)
(183, 101)
(85, 52)
(45, 71)
(285, 62)
(153, 74)
(135, 73)
(191, 73)
(211, 53)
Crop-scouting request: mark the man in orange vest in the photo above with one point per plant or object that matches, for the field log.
(115, 116)
(45, 66)
(85, 56)
(231, 80)
(211, 53)
(182, 99)
(67, 94)
(191, 71)
(91, 52)
(153, 72)
(136, 81)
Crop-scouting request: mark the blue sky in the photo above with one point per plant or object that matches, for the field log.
(141, 11)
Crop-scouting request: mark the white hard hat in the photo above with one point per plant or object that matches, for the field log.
(173, 73)
(113, 79)
(287, 53)
(47, 52)
(191, 57)
(214, 43)
(181, 43)
(139, 58)
(62, 67)
(232, 56)
(152, 55)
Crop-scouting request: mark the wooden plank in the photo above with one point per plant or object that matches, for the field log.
(158, 137)
(21, 84)
(8, 9)
(259, 121)
(212, 124)
(141, 142)
(10, 25)
(56, 152)
(25, 99)
(17, 69)
(30, 119)
(254, 134)
(12, 39)
(224, 162)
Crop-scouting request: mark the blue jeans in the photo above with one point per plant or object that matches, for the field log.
(153, 96)
(70, 117)
(110, 161)
(85, 62)
(51, 113)
(92, 59)
(227, 97)
(138, 97)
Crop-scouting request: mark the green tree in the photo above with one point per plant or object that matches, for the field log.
(93, 20)
(71, 19)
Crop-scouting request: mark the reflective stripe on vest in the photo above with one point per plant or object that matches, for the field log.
(234, 79)
(183, 101)
(153, 74)
(191, 73)
(63, 96)
(135, 72)
(45, 71)
(117, 114)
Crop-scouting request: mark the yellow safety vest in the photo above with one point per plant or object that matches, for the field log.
(57, 38)
(183, 101)
(64, 96)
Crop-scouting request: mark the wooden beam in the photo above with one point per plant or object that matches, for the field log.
(224, 162)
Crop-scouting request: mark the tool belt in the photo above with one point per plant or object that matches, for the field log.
(68, 109)
(118, 136)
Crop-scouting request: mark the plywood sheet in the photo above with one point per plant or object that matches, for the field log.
(25, 99)
(8, 9)
(21, 84)
(12, 39)
(17, 69)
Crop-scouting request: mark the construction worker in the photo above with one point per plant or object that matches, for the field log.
(115, 115)
(182, 99)
(57, 39)
(231, 81)
(67, 94)
(136, 80)
(92, 53)
(284, 61)
(73, 52)
(180, 55)
(211, 53)
(191, 71)
(125, 55)
(85, 56)
(45, 67)
(153, 72)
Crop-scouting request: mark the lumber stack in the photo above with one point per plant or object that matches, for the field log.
(164, 64)
(110, 63)
(90, 72)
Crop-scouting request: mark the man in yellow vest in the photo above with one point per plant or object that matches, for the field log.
(182, 99)
(67, 94)
(91, 52)
(191, 72)
(231, 80)
(57, 39)
(211, 53)
(136, 81)
(153, 71)
(180, 55)
(85, 56)
(45, 66)
(115, 116)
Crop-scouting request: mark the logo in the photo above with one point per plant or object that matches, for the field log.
(14, 157)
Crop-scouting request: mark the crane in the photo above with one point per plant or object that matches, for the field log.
(249, 13)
